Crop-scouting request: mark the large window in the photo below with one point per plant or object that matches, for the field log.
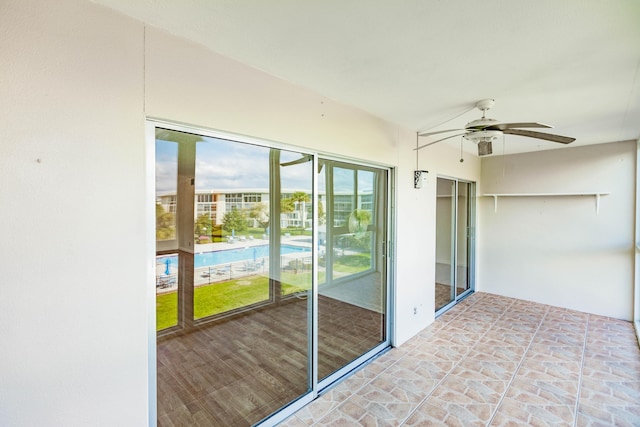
(273, 282)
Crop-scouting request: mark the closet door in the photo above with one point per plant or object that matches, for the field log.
(464, 237)
(455, 230)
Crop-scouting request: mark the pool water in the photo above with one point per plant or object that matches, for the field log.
(204, 259)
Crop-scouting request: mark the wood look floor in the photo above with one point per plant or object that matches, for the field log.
(237, 372)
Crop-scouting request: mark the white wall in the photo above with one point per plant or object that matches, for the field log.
(416, 232)
(558, 250)
(187, 83)
(76, 84)
(73, 300)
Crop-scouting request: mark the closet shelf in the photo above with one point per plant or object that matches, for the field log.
(596, 194)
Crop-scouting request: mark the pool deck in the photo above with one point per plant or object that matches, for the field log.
(302, 241)
(218, 273)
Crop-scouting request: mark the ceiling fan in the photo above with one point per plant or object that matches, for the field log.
(484, 130)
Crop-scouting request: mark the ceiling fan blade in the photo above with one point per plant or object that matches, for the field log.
(304, 159)
(435, 142)
(439, 131)
(503, 126)
(540, 135)
(177, 136)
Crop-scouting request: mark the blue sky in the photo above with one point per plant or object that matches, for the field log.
(227, 165)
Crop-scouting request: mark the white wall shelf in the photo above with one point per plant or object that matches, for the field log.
(597, 196)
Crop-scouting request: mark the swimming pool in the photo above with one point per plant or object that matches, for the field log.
(204, 259)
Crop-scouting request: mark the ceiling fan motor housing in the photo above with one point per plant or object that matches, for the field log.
(481, 123)
(483, 138)
(483, 135)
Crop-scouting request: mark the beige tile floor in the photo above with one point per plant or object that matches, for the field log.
(495, 361)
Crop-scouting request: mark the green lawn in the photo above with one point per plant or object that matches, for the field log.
(166, 310)
(225, 296)
(352, 263)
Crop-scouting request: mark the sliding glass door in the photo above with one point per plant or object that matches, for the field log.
(352, 293)
(235, 321)
(455, 231)
(271, 275)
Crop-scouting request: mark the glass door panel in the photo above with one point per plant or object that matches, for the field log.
(231, 263)
(166, 190)
(296, 221)
(464, 227)
(166, 291)
(445, 249)
(244, 245)
(352, 291)
(166, 237)
(455, 225)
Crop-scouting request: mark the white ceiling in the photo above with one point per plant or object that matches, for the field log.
(422, 64)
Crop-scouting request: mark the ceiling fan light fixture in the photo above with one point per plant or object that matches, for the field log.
(484, 147)
(483, 139)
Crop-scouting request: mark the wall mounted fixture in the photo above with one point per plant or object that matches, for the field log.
(419, 178)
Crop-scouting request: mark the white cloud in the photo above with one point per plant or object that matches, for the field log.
(228, 165)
